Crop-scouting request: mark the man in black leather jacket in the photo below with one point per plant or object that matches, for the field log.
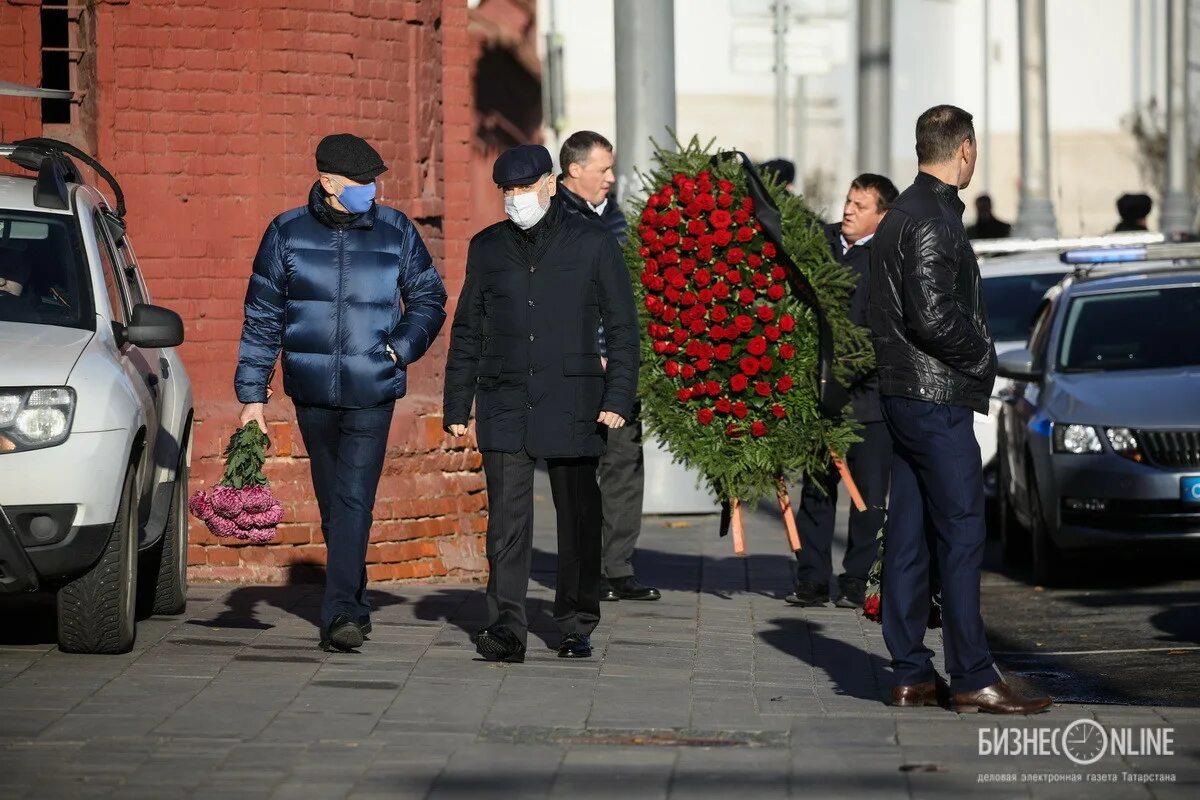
(936, 364)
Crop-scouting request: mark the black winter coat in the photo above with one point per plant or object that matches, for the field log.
(523, 343)
(864, 391)
(333, 292)
(612, 218)
(927, 316)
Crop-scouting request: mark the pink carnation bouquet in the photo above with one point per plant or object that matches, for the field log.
(241, 505)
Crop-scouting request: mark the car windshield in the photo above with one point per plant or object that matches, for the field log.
(1142, 329)
(1011, 301)
(42, 276)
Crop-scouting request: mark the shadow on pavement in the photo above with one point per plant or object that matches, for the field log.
(466, 609)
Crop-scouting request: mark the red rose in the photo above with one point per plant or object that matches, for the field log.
(653, 201)
(660, 348)
(724, 406)
(703, 365)
(766, 363)
(765, 313)
(722, 237)
(735, 255)
(706, 297)
(693, 209)
(704, 252)
(720, 268)
(669, 314)
(746, 296)
(720, 219)
(705, 416)
(687, 194)
(721, 290)
(643, 251)
(671, 219)
(732, 431)
(754, 260)
(687, 371)
(733, 276)
(687, 244)
(671, 238)
(670, 257)
(761, 281)
(787, 323)
(747, 204)
(697, 327)
(649, 215)
(688, 299)
(656, 284)
(784, 384)
(772, 333)
(683, 395)
(672, 348)
(718, 313)
(702, 277)
(775, 292)
(872, 608)
(757, 346)
(739, 383)
(716, 333)
(759, 428)
(672, 369)
(762, 389)
(724, 185)
(713, 388)
(672, 294)
(743, 323)
(745, 234)
(657, 247)
(787, 351)
(679, 179)
(748, 366)
(725, 201)
(679, 335)
(723, 352)
(693, 349)
(778, 273)
(768, 250)
(741, 217)
(707, 201)
(648, 236)
(779, 411)
(739, 410)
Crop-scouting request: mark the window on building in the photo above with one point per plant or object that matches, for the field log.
(62, 52)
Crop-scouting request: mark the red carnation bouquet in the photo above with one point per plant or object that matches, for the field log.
(730, 356)
(241, 505)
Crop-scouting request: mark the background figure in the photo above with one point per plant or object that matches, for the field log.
(869, 461)
(523, 349)
(987, 226)
(346, 289)
(783, 171)
(1133, 209)
(936, 365)
(585, 188)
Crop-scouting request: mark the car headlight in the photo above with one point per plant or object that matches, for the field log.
(35, 418)
(1076, 439)
(1125, 443)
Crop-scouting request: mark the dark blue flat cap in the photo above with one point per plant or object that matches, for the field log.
(521, 165)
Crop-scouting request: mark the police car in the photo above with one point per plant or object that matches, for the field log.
(95, 408)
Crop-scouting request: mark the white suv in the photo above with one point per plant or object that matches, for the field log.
(95, 409)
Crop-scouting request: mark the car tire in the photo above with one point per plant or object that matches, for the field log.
(1014, 540)
(1047, 558)
(164, 566)
(96, 610)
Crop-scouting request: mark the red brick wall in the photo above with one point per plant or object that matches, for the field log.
(20, 62)
(208, 112)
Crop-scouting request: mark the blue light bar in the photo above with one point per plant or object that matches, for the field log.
(1104, 255)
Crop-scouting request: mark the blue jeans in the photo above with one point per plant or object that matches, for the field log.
(346, 447)
(937, 476)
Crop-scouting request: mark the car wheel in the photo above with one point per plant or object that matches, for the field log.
(1047, 558)
(167, 560)
(1014, 540)
(96, 610)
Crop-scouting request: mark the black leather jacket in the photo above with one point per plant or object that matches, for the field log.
(926, 313)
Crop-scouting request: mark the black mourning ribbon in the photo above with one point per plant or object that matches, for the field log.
(832, 397)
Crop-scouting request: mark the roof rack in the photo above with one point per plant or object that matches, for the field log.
(1145, 258)
(49, 159)
(999, 247)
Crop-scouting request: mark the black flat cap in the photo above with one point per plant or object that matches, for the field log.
(1133, 207)
(349, 156)
(521, 165)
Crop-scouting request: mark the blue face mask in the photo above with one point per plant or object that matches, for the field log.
(357, 199)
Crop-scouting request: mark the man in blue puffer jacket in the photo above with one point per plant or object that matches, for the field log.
(347, 291)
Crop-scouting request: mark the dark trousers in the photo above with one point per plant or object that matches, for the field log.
(510, 540)
(870, 462)
(622, 481)
(345, 448)
(937, 478)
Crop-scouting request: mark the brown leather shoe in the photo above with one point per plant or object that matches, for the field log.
(929, 693)
(999, 698)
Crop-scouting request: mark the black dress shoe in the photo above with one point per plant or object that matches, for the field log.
(852, 593)
(364, 625)
(630, 589)
(342, 635)
(607, 592)
(575, 645)
(499, 643)
(808, 593)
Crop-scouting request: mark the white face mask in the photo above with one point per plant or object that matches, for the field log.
(526, 210)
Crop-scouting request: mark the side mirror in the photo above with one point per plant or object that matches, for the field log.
(154, 326)
(1017, 365)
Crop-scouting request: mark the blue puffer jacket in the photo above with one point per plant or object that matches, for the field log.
(333, 292)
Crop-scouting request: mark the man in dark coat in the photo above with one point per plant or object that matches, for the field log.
(987, 225)
(1133, 209)
(870, 460)
(585, 189)
(348, 292)
(936, 364)
(523, 349)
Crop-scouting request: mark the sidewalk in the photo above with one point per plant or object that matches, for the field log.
(718, 690)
